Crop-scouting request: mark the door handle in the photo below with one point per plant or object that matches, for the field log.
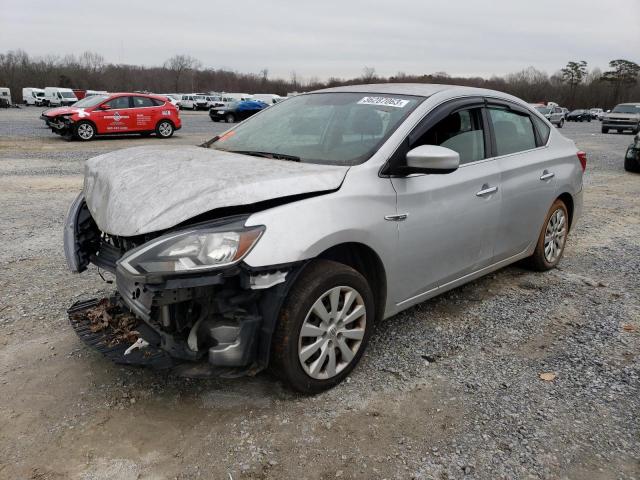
(546, 175)
(486, 190)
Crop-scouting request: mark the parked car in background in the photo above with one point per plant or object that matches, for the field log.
(553, 114)
(238, 96)
(188, 102)
(213, 101)
(579, 115)
(236, 111)
(596, 113)
(200, 102)
(286, 241)
(625, 116)
(54, 97)
(33, 96)
(632, 156)
(116, 113)
(173, 98)
(88, 93)
(5, 97)
(268, 98)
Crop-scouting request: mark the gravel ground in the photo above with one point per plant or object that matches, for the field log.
(447, 390)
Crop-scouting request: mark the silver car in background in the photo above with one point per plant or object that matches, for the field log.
(284, 240)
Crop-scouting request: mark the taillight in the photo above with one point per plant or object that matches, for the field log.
(582, 156)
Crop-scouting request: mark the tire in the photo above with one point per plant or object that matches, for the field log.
(619, 130)
(631, 164)
(164, 129)
(84, 131)
(541, 261)
(316, 284)
(605, 130)
(561, 124)
(229, 118)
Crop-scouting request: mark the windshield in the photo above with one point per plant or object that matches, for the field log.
(68, 94)
(626, 109)
(543, 110)
(91, 101)
(39, 94)
(324, 128)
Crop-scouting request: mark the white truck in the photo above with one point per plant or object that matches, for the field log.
(57, 97)
(32, 96)
(5, 97)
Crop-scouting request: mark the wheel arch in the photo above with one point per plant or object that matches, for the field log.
(368, 263)
(567, 198)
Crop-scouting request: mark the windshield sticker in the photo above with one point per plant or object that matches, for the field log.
(384, 101)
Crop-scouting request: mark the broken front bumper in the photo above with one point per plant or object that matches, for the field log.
(216, 324)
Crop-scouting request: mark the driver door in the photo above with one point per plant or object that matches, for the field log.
(447, 222)
(117, 118)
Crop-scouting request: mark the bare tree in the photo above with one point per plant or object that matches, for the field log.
(368, 74)
(180, 64)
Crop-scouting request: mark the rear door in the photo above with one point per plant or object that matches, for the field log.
(448, 222)
(527, 179)
(144, 114)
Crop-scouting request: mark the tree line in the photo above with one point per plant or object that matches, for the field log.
(573, 86)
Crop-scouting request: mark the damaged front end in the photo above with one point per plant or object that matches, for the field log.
(60, 124)
(184, 298)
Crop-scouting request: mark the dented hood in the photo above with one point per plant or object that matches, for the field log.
(147, 189)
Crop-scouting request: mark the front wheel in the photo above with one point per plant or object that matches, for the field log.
(84, 131)
(229, 118)
(605, 130)
(164, 129)
(552, 239)
(323, 327)
(561, 124)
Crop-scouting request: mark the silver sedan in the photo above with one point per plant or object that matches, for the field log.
(285, 239)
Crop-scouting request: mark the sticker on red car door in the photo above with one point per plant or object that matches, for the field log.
(143, 120)
(118, 123)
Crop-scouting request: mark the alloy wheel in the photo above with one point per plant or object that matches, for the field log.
(165, 129)
(85, 131)
(332, 332)
(555, 236)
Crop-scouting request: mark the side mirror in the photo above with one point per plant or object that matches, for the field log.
(432, 159)
(104, 106)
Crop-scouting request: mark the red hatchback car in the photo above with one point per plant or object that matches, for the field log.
(114, 114)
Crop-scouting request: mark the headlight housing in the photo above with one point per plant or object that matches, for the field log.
(192, 250)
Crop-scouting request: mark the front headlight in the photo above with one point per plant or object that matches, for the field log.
(193, 250)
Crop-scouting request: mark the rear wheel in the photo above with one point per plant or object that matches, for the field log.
(84, 131)
(605, 130)
(164, 129)
(552, 239)
(561, 124)
(323, 327)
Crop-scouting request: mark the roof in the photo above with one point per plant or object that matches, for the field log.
(419, 89)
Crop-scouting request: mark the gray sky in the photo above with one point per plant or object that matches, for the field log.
(333, 38)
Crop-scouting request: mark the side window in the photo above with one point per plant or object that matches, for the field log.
(156, 102)
(461, 131)
(543, 129)
(139, 102)
(513, 131)
(118, 103)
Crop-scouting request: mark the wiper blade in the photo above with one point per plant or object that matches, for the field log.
(275, 156)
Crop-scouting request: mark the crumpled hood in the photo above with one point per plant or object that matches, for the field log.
(52, 112)
(147, 189)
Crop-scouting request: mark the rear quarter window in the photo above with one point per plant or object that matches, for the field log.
(543, 129)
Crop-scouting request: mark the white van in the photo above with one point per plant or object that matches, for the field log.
(268, 98)
(5, 97)
(56, 97)
(188, 101)
(33, 96)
